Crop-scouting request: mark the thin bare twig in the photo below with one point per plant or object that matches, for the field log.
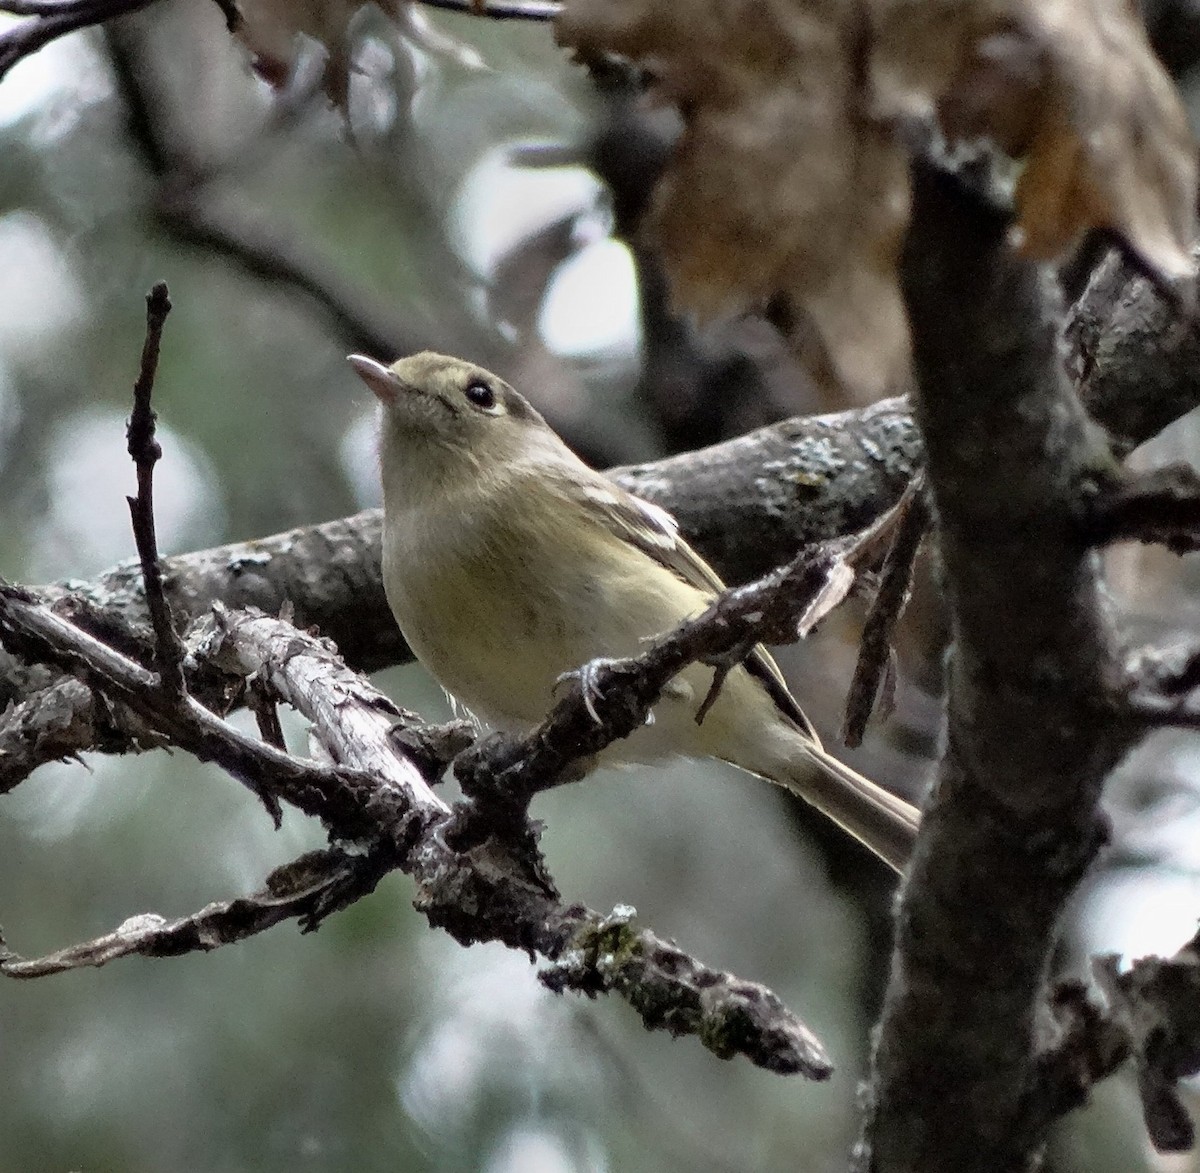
(44, 8)
(500, 9)
(307, 889)
(146, 452)
(49, 21)
(267, 247)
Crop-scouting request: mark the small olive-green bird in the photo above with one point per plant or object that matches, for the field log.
(508, 563)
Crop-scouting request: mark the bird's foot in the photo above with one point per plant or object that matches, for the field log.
(589, 683)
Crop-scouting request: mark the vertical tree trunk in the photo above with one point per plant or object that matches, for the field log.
(1014, 818)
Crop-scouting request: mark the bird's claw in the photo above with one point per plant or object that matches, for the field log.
(589, 684)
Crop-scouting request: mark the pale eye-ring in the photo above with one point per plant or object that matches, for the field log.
(481, 395)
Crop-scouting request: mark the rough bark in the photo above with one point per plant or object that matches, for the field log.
(1135, 356)
(1014, 818)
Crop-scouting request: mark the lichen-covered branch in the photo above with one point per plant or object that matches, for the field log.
(306, 890)
(748, 505)
(60, 720)
(377, 795)
(33, 630)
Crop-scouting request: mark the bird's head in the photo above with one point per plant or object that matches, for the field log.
(443, 418)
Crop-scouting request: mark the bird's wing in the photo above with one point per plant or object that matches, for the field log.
(656, 533)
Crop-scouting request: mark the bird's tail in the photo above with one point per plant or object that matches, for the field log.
(883, 823)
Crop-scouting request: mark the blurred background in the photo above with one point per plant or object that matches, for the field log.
(479, 195)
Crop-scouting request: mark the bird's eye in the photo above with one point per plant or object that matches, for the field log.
(481, 395)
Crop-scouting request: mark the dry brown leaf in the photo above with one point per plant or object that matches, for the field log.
(1073, 89)
(788, 185)
(777, 186)
(1135, 159)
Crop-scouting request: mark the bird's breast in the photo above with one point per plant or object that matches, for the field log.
(497, 615)
(498, 611)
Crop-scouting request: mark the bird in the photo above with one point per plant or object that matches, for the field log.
(509, 563)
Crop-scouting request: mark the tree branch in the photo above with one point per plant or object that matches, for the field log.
(875, 656)
(1161, 505)
(499, 9)
(146, 453)
(49, 21)
(1152, 1015)
(307, 889)
(265, 246)
(376, 796)
(59, 721)
(32, 630)
(1134, 356)
(748, 505)
(1014, 819)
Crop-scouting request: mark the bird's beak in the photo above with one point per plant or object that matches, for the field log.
(382, 380)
